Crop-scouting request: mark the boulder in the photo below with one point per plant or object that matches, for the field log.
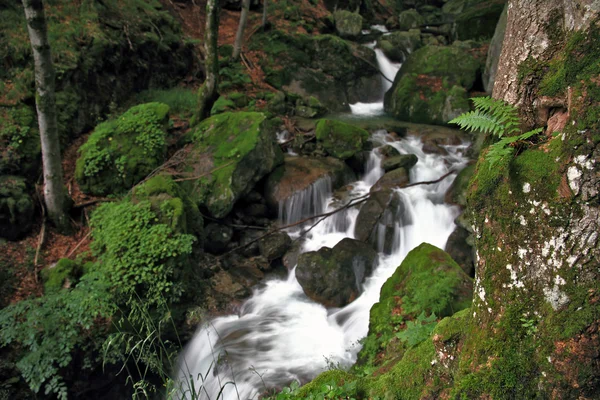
(393, 179)
(410, 19)
(457, 192)
(389, 151)
(397, 46)
(121, 152)
(348, 24)
(229, 153)
(339, 139)
(218, 237)
(473, 19)
(460, 251)
(406, 161)
(16, 207)
(299, 173)
(334, 276)
(64, 274)
(493, 56)
(275, 245)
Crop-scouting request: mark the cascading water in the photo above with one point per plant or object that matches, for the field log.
(280, 335)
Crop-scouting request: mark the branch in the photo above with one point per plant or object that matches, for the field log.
(203, 175)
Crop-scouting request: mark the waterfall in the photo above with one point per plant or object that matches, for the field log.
(388, 71)
(279, 334)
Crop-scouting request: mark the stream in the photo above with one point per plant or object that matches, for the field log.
(279, 334)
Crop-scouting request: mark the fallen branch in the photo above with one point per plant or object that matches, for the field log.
(79, 244)
(441, 178)
(191, 178)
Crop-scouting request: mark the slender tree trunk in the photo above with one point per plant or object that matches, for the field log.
(208, 91)
(55, 195)
(264, 19)
(239, 37)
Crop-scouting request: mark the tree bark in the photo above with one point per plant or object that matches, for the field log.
(239, 37)
(208, 91)
(55, 195)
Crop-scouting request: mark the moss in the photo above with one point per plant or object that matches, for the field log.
(19, 139)
(16, 207)
(121, 152)
(65, 272)
(314, 387)
(348, 24)
(222, 105)
(340, 139)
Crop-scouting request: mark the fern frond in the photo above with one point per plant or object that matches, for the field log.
(531, 133)
(479, 120)
(505, 114)
(499, 150)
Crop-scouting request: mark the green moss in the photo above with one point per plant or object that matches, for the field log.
(65, 271)
(121, 152)
(19, 139)
(340, 139)
(222, 105)
(314, 387)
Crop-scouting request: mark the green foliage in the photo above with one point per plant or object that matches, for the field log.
(138, 253)
(418, 330)
(181, 101)
(51, 328)
(499, 119)
(64, 270)
(121, 152)
(330, 390)
(19, 139)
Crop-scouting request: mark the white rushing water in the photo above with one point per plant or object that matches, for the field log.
(279, 334)
(388, 71)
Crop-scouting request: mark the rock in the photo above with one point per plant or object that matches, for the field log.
(121, 152)
(406, 161)
(327, 67)
(223, 104)
(397, 46)
(242, 146)
(358, 161)
(460, 251)
(389, 151)
(473, 19)
(333, 276)
(218, 237)
(339, 139)
(347, 24)
(290, 259)
(410, 19)
(275, 245)
(299, 173)
(493, 56)
(256, 210)
(393, 179)
(428, 281)
(16, 207)
(457, 192)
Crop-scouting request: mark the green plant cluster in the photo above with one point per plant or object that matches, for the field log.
(121, 152)
(330, 390)
(19, 139)
(52, 327)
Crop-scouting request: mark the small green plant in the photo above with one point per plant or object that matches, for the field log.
(498, 119)
(529, 325)
(419, 330)
(327, 391)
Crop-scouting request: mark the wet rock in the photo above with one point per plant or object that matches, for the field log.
(493, 57)
(333, 276)
(457, 192)
(256, 210)
(217, 238)
(473, 19)
(410, 19)
(275, 245)
(393, 179)
(358, 161)
(460, 251)
(299, 173)
(347, 24)
(389, 151)
(290, 259)
(248, 239)
(339, 139)
(406, 161)
(16, 207)
(398, 45)
(432, 142)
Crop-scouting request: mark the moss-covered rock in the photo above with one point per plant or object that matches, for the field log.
(340, 139)
(121, 152)
(431, 87)
(64, 274)
(331, 69)
(406, 161)
(19, 140)
(347, 24)
(222, 105)
(228, 154)
(16, 207)
(397, 46)
(334, 276)
(473, 19)
(410, 19)
(428, 281)
(390, 180)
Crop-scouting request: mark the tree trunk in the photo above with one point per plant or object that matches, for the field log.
(208, 91)
(239, 37)
(55, 195)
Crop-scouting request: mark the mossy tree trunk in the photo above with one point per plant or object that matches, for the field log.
(55, 195)
(239, 37)
(208, 91)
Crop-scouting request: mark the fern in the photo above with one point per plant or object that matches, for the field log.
(499, 119)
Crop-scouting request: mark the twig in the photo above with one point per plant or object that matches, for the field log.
(203, 175)
(262, 228)
(42, 237)
(441, 178)
(374, 66)
(79, 244)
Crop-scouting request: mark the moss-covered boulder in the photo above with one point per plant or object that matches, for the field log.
(16, 207)
(333, 276)
(297, 174)
(347, 24)
(431, 87)
(64, 274)
(227, 155)
(340, 139)
(333, 70)
(473, 19)
(397, 46)
(427, 282)
(410, 19)
(121, 152)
